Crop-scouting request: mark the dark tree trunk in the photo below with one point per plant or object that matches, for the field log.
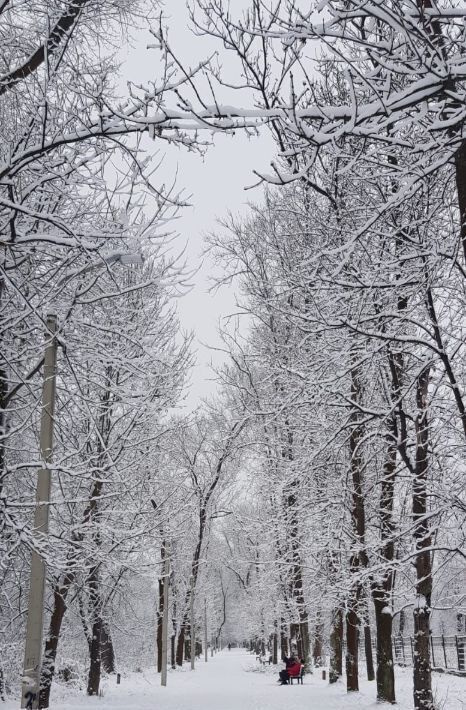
(352, 644)
(284, 649)
(385, 674)
(402, 622)
(421, 667)
(160, 612)
(93, 682)
(107, 650)
(368, 651)
(318, 648)
(275, 646)
(304, 654)
(95, 651)
(159, 627)
(294, 632)
(358, 558)
(382, 587)
(173, 653)
(51, 644)
(182, 632)
(194, 572)
(336, 646)
(460, 171)
(174, 625)
(299, 630)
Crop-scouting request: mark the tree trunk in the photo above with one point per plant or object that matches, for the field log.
(300, 630)
(384, 621)
(402, 622)
(160, 611)
(358, 558)
(181, 639)
(295, 639)
(174, 624)
(275, 646)
(421, 667)
(107, 651)
(284, 650)
(352, 643)
(460, 171)
(336, 646)
(173, 653)
(93, 682)
(305, 643)
(367, 636)
(368, 651)
(159, 627)
(383, 585)
(317, 651)
(51, 644)
(194, 573)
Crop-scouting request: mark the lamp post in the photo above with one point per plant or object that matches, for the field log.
(33, 650)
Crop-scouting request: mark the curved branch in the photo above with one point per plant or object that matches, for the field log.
(61, 30)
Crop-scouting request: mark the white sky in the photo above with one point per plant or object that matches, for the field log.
(216, 186)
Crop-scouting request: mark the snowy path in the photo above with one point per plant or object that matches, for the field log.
(231, 681)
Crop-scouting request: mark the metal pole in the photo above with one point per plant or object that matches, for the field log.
(166, 583)
(206, 651)
(33, 649)
(193, 635)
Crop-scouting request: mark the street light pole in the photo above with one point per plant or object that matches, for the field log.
(33, 650)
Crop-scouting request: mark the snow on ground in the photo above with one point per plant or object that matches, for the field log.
(233, 680)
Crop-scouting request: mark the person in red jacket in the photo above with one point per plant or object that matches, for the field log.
(295, 669)
(292, 670)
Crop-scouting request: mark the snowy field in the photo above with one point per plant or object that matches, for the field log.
(233, 681)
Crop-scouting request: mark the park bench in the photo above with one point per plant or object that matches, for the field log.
(298, 678)
(263, 660)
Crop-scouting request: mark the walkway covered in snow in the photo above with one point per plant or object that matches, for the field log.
(232, 680)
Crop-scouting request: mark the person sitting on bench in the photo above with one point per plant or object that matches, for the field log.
(298, 676)
(283, 675)
(292, 670)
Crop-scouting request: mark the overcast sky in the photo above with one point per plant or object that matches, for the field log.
(216, 184)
